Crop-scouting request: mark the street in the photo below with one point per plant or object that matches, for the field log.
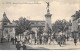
(69, 46)
(7, 46)
(10, 46)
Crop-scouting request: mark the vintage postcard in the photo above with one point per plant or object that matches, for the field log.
(39, 24)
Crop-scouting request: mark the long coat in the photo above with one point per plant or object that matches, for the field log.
(24, 47)
(18, 46)
(75, 40)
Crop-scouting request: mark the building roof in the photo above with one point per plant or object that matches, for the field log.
(35, 23)
(77, 14)
(5, 19)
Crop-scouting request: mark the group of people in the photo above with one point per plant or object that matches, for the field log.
(47, 40)
(18, 44)
(61, 40)
(38, 40)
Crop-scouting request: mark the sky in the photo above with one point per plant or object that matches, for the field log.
(60, 9)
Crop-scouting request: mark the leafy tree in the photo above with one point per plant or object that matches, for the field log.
(22, 25)
(60, 26)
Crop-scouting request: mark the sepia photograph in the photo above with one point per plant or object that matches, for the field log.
(39, 24)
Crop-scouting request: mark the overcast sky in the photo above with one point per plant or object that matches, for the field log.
(60, 9)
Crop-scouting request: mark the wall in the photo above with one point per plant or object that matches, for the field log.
(74, 25)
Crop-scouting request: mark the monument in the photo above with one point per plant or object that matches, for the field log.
(48, 25)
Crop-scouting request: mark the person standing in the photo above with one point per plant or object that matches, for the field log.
(1, 40)
(40, 41)
(67, 38)
(60, 40)
(75, 41)
(12, 40)
(24, 46)
(35, 40)
(18, 45)
(64, 39)
(79, 39)
(8, 38)
(49, 41)
(15, 40)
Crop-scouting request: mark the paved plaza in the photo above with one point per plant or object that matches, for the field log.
(69, 46)
(7, 46)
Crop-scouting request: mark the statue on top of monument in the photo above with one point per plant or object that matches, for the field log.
(47, 5)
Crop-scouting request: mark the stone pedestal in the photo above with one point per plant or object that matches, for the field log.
(48, 22)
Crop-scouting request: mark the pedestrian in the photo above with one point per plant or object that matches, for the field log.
(75, 41)
(35, 40)
(18, 45)
(24, 46)
(64, 39)
(43, 40)
(67, 38)
(49, 41)
(40, 41)
(15, 40)
(12, 40)
(8, 39)
(60, 40)
(79, 39)
(1, 40)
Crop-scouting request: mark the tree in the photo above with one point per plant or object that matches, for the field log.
(60, 26)
(22, 25)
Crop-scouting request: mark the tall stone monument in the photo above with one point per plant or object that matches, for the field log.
(48, 15)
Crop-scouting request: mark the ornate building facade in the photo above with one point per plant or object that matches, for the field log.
(76, 24)
(7, 29)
